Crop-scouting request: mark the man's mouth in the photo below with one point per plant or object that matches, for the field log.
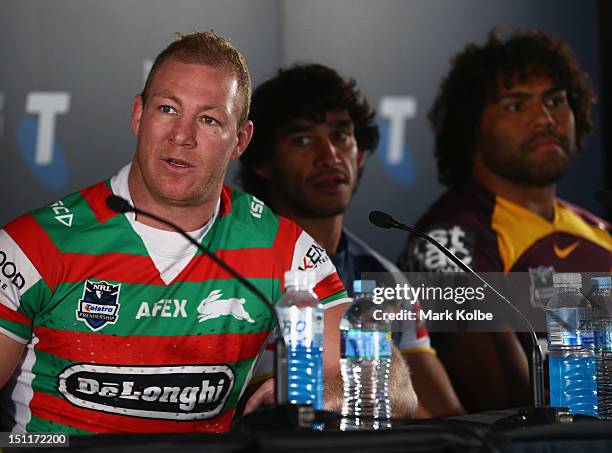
(178, 163)
(329, 181)
(544, 143)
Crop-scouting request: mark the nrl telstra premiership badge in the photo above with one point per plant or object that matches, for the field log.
(99, 305)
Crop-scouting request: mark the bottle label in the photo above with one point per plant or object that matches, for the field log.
(301, 326)
(569, 327)
(359, 344)
(603, 334)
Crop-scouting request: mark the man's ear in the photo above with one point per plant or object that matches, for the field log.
(361, 155)
(137, 108)
(244, 135)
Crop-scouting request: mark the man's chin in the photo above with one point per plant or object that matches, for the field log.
(179, 198)
(326, 209)
(539, 179)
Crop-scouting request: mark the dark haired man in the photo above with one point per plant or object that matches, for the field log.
(509, 117)
(118, 324)
(313, 132)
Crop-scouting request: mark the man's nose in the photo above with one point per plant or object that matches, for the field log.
(327, 152)
(542, 117)
(183, 132)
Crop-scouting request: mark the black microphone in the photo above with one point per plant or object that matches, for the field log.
(536, 369)
(121, 205)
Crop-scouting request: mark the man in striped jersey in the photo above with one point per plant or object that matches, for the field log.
(314, 130)
(113, 323)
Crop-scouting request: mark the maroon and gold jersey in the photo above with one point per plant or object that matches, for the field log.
(492, 234)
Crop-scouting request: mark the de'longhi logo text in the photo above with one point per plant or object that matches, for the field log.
(36, 138)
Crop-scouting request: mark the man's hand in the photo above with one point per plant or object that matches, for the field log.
(264, 395)
(401, 392)
(10, 353)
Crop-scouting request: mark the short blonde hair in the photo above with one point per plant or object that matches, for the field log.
(207, 48)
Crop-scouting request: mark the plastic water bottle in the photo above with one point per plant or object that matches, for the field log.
(301, 318)
(601, 296)
(365, 362)
(570, 346)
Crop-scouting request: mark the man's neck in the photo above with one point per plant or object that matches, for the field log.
(540, 200)
(188, 218)
(326, 231)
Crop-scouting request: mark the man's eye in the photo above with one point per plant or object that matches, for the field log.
(514, 107)
(209, 120)
(342, 136)
(301, 140)
(166, 109)
(556, 101)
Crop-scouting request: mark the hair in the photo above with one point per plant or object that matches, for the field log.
(474, 79)
(206, 48)
(301, 91)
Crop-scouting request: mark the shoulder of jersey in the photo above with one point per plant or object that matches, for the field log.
(252, 214)
(469, 206)
(586, 216)
(76, 212)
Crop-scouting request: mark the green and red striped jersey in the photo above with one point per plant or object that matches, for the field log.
(111, 346)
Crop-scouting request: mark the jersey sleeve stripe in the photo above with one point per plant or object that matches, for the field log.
(284, 244)
(58, 410)
(36, 244)
(210, 349)
(329, 286)
(14, 316)
(96, 196)
(11, 335)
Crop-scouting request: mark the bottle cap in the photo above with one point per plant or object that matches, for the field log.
(300, 279)
(601, 282)
(363, 286)
(567, 278)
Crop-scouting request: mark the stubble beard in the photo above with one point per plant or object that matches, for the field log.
(522, 171)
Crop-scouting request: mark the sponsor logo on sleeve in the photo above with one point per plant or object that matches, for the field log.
(214, 306)
(314, 256)
(183, 392)
(99, 305)
(9, 274)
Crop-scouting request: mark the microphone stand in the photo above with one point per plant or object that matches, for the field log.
(538, 414)
(296, 417)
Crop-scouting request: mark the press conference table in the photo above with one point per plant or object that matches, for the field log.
(461, 434)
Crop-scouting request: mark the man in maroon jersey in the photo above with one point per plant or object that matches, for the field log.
(508, 119)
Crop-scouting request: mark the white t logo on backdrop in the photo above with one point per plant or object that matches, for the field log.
(397, 109)
(47, 106)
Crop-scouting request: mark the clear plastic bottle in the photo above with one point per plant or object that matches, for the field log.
(301, 318)
(366, 363)
(601, 296)
(570, 346)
